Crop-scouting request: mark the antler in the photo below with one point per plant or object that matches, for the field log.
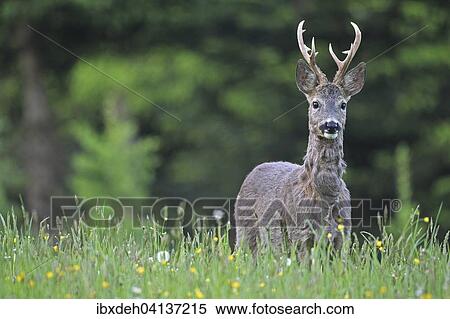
(343, 65)
(310, 58)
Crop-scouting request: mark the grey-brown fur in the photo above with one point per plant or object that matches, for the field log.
(281, 202)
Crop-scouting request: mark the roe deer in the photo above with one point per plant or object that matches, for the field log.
(283, 202)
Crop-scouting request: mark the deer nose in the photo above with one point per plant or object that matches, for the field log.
(330, 127)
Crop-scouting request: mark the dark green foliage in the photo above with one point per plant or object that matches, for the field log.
(227, 70)
(113, 163)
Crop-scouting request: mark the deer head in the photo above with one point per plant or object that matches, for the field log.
(328, 100)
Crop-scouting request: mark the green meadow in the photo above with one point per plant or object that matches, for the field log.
(152, 263)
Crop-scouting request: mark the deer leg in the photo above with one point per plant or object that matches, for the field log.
(247, 236)
(301, 239)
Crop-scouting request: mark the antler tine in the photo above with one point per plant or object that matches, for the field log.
(301, 44)
(309, 53)
(350, 53)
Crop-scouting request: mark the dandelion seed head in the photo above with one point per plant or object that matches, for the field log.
(218, 214)
(136, 290)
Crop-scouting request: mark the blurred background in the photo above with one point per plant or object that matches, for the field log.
(92, 125)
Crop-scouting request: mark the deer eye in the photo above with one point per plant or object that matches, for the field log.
(315, 105)
(343, 105)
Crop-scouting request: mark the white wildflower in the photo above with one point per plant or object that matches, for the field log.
(162, 256)
(288, 262)
(136, 290)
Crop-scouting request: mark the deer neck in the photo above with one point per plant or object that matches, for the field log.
(324, 165)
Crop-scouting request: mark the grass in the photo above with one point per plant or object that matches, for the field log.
(119, 262)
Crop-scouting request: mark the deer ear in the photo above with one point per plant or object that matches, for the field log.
(305, 77)
(353, 81)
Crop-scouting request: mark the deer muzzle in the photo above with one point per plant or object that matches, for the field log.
(330, 129)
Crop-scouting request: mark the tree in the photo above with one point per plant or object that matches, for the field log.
(113, 162)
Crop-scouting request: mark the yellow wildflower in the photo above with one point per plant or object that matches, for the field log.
(49, 275)
(164, 262)
(140, 270)
(368, 294)
(383, 290)
(76, 267)
(68, 296)
(165, 294)
(199, 294)
(216, 239)
(416, 261)
(20, 277)
(235, 284)
(105, 284)
(426, 219)
(193, 270)
(262, 284)
(31, 283)
(208, 280)
(426, 295)
(198, 250)
(230, 258)
(329, 235)
(340, 227)
(55, 248)
(379, 243)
